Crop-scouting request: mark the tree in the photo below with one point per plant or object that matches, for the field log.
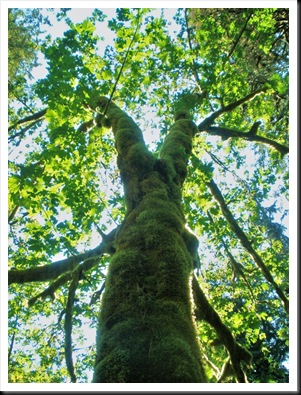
(23, 46)
(176, 305)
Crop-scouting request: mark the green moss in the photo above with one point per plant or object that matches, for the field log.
(105, 122)
(177, 139)
(146, 330)
(132, 191)
(115, 115)
(114, 368)
(125, 257)
(177, 148)
(156, 347)
(162, 217)
(124, 139)
(154, 188)
(155, 236)
(127, 122)
(134, 238)
(191, 241)
(186, 126)
(184, 368)
(182, 114)
(168, 205)
(140, 159)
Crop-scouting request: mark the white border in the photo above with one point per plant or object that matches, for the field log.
(292, 386)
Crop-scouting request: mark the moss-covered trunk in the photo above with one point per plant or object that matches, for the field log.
(146, 329)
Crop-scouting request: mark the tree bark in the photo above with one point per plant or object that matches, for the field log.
(146, 329)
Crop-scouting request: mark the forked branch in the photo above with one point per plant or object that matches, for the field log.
(203, 126)
(226, 133)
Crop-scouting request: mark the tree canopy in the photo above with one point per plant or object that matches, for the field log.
(227, 67)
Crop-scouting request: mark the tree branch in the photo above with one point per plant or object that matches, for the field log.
(204, 311)
(11, 346)
(97, 294)
(22, 132)
(122, 66)
(36, 116)
(49, 291)
(245, 241)
(195, 73)
(226, 133)
(68, 325)
(55, 269)
(203, 126)
(240, 35)
(12, 214)
(177, 145)
(237, 268)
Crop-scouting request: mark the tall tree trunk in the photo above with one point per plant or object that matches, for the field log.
(146, 328)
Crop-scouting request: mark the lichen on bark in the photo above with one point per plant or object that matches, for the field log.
(146, 327)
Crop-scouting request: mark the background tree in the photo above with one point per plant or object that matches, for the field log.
(24, 40)
(86, 201)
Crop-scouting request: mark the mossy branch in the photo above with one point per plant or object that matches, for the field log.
(177, 146)
(68, 325)
(204, 311)
(55, 269)
(134, 160)
(246, 242)
(50, 291)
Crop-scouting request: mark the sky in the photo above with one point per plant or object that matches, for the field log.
(78, 15)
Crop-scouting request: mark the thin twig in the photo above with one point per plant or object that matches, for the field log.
(246, 242)
(240, 35)
(195, 73)
(121, 68)
(68, 325)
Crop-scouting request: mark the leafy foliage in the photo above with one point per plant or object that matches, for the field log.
(64, 188)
